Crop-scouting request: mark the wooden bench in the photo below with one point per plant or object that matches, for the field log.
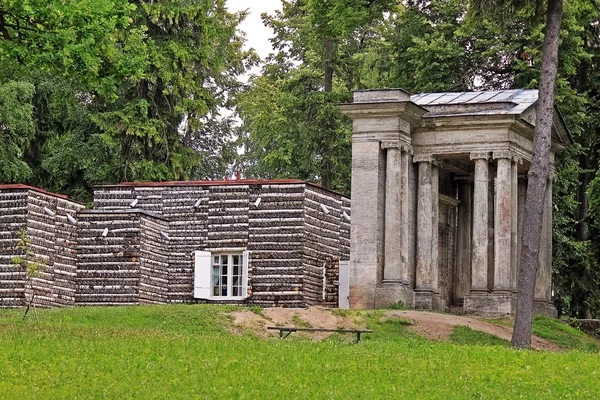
(285, 331)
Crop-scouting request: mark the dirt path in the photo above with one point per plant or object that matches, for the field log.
(440, 326)
(431, 325)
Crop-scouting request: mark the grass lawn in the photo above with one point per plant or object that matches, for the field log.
(185, 352)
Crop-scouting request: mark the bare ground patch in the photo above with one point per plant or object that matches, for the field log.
(434, 326)
(312, 317)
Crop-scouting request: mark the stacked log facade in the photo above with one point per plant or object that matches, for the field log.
(186, 208)
(13, 217)
(43, 216)
(154, 260)
(322, 248)
(276, 238)
(137, 245)
(108, 252)
(122, 258)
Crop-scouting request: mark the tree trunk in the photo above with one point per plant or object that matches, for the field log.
(539, 173)
(328, 68)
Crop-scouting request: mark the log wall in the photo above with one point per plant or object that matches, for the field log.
(108, 267)
(275, 240)
(53, 240)
(154, 260)
(324, 245)
(13, 217)
(186, 208)
(288, 241)
(41, 230)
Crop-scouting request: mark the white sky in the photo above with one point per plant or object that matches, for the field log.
(257, 35)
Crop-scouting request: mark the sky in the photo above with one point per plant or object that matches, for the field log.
(257, 35)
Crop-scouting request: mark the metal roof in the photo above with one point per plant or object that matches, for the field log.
(514, 101)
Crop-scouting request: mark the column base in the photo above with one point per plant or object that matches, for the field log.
(392, 292)
(428, 300)
(362, 297)
(485, 303)
(545, 308)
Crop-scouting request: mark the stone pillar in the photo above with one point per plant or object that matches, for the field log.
(435, 217)
(514, 246)
(543, 283)
(426, 271)
(367, 223)
(393, 209)
(405, 228)
(479, 300)
(479, 255)
(503, 222)
(462, 281)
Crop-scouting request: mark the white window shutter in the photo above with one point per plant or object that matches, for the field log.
(202, 274)
(245, 261)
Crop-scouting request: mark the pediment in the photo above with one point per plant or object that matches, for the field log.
(560, 132)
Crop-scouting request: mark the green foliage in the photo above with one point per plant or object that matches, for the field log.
(292, 125)
(120, 90)
(16, 130)
(184, 351)
(466, 336)
(301, 134)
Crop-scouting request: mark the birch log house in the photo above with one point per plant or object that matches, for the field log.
(263, 242)
(438, 188)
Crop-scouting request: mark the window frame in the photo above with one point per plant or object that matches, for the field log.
(204, 282)
(229, 275)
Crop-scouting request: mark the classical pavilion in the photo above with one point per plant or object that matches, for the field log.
(438, 189)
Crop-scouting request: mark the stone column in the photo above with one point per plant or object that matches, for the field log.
(479, 255)
(404, 247)
(425, 269)
(367, 223)
(514, 246)
(543, 283)
(435, 216)
(503, 222)
(462, 281)
(393, 209)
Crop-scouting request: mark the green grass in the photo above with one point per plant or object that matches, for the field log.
(564, 335)
(557, 331)
(183, 352)
(466, 336)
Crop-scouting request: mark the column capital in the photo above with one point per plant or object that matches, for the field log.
(418, 158)
(407, 148)
(390, 144)
(503, 154)
(480, 156)
(518, 159)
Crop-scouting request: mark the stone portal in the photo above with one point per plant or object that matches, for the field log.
(438, 188)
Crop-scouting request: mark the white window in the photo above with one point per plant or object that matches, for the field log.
(221, 276)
